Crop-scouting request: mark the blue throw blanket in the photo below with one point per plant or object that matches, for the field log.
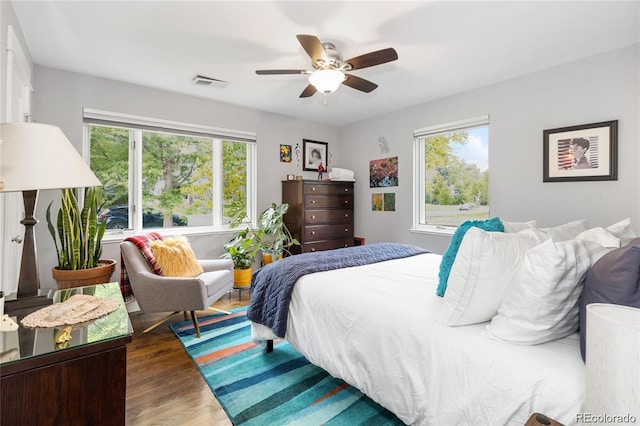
(272, 285)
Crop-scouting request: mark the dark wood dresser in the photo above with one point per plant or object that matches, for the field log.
(320, 214)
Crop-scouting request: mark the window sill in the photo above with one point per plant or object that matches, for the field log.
(115, 236)
(434, 230)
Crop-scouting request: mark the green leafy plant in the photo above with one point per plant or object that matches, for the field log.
(77, 234)
(242, 250)
(243, 247)
(275, 236)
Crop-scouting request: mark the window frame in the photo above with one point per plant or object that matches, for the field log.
(136, 125)
(419, 224)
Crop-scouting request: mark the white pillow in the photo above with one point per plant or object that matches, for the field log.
(623, 231)
(601, 236)
(541, 304)
(567, 231)
(484, 266)
(518, 226)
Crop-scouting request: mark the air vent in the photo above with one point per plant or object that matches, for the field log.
(201, 80)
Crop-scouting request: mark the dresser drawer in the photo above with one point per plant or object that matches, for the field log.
(326, 245)
(339, 188)
(328, 232)
(335, 201)
(317, 217)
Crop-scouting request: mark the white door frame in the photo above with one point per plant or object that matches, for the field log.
(17, 109)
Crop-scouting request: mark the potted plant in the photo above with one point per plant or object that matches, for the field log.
(242, 250)
(243, 247)
(276, 237)
(77, 237)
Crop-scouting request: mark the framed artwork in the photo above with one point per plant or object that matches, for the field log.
(376, 202)
(313, 154)
(389, 201)
(383, 172)
(285, 153)
(581, 153)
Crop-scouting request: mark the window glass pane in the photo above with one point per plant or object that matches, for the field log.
(234, 175)
(109, 159)
(177, 181)
(164, 177)
(457, 176)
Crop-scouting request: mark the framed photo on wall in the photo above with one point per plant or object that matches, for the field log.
(581, 153)
(314, 153)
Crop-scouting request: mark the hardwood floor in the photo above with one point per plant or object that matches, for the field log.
(164, 387)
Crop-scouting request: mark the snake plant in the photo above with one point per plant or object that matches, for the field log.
(77, 234)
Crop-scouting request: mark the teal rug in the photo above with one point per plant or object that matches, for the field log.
(279, 388)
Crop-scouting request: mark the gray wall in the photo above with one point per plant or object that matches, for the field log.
(60, 97)
(599, 88)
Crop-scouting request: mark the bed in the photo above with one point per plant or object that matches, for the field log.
(378, 326)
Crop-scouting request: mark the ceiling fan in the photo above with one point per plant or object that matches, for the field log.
(330, 70)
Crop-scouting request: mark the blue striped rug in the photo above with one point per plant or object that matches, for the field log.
(279, 388)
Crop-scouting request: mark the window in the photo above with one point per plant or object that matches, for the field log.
(451, 174)
(161, 174)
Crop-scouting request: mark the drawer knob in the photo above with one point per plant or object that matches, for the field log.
(313, 201)
(313, 188)
(346, 190)
(313, 232)
(313, 217)
(313, 249)
(346, 201)
(346, 229)
(346, 215)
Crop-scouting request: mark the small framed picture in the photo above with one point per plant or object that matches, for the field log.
(291, 177)
(313, 154)
(581, 153)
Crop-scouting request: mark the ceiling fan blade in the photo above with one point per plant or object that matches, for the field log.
(359, 83)
(310, 90)
(313, 47)
(373, 58)
(273, 72)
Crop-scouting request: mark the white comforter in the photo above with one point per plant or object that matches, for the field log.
(377, 327)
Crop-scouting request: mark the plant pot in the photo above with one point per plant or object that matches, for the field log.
(242, 277)
(83, 277)
(268, 256)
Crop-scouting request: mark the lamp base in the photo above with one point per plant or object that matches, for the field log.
(11, 303)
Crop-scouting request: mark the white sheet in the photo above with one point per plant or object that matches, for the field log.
(377, 327)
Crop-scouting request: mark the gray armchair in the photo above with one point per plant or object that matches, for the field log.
(157, 293)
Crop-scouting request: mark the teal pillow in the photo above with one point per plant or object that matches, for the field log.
(493, 225)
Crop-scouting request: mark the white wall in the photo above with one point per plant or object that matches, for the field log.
(60, 97)
(599, 88)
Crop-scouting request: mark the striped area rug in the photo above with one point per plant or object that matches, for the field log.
(279, 388)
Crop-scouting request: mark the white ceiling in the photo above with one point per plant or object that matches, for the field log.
(444, 47)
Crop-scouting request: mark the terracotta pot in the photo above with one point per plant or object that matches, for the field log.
(242, 278)
(82, 277)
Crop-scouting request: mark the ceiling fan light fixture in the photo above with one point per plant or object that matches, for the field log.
(327, 80)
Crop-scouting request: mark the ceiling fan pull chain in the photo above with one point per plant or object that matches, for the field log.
(325, 99)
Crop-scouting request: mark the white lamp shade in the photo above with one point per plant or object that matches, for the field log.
(327, 81)
(613, 363)
(39, 156)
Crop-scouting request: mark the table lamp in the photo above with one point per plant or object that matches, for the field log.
(36, 156)
(612, 363)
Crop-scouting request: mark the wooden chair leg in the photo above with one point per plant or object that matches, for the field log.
(195, 323)
(160, 322)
